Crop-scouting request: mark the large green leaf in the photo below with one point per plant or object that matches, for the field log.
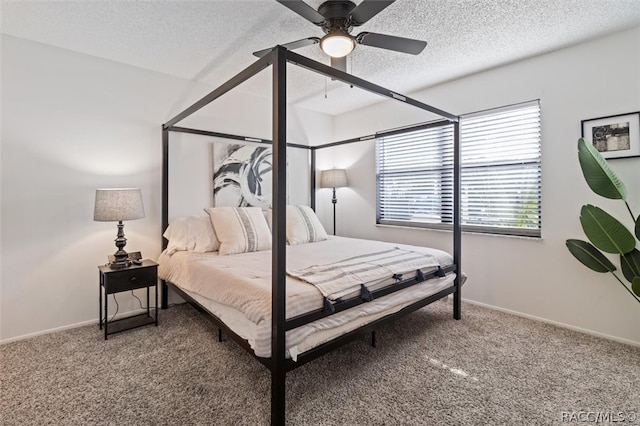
(635, 285)
(630, 263)
(599, 176)
(605, 232)
(590, 256)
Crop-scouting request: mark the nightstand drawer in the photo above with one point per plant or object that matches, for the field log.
(130, 279)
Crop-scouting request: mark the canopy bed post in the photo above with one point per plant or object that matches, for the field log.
(279, 251)
(312, 181)
(242, 76)
(165, 182)
(457, 225)
(165, 208)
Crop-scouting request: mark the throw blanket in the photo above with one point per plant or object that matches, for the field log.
(335, 280)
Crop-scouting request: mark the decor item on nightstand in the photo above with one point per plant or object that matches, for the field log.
(116, 205)
(334, 178)
(604, 231)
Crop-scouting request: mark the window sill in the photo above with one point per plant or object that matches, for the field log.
(482, 234)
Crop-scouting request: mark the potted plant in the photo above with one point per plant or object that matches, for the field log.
(606, 233)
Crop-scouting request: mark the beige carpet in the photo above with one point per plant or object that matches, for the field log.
(490, 368)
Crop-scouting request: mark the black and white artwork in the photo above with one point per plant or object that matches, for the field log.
(242, 175)
(616, 136)
(611, 137)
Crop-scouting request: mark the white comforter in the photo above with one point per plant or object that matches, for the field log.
(243, 282)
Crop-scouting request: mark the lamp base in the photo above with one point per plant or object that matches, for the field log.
(121, 258)
(120, 265)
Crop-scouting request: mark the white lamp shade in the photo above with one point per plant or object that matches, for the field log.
(337, 45)
(114, 205)
(334, 178)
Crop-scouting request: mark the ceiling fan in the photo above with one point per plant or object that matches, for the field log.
(337, 18)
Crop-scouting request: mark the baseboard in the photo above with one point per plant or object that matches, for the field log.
(472, 302)
(557, 323)
(69, 327)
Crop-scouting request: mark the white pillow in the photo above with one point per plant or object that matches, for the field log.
(240, 229)
(268, 215)
(191, 233)
(178, 235)
(303, 226)
(202, 232)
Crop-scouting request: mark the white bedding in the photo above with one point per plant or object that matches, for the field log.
(237, 289)
(336, 280)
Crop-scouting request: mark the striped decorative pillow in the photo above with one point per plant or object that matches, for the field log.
(303, 226)
(240, 229)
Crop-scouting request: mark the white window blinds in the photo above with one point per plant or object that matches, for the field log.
(500, 178)
(415, 177)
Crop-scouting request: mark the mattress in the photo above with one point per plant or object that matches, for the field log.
(237, 289)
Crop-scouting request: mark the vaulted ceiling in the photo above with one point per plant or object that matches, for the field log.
(210, 41)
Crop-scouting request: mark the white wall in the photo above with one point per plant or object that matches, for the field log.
(539, 278)
(72, 123)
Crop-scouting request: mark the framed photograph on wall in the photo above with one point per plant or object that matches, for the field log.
(615, 136)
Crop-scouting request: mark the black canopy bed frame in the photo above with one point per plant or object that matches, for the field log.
(278, 363)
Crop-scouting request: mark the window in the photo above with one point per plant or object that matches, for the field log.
(500, 173)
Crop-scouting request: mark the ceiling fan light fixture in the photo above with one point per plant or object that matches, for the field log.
(337, 44)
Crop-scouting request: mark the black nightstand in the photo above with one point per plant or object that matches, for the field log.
(131, 278)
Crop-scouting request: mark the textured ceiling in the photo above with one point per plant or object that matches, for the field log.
(210, 41)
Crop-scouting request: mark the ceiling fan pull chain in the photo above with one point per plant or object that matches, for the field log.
(351, 67)
(325, 87)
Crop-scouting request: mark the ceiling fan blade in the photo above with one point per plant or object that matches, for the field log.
(367, 10)
(304, 10)
(339, 63)
(290, 46)
(399, 44)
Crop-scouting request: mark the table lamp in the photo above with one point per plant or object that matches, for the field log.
(117, 205)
